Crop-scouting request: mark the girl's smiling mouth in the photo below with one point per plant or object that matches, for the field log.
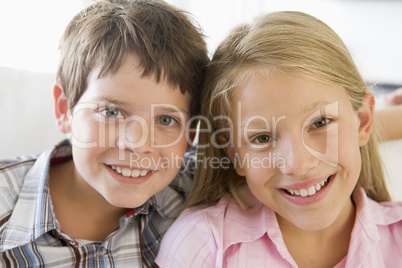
(310, 193)
(312, 190)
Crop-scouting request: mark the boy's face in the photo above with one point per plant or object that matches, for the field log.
(128, 135)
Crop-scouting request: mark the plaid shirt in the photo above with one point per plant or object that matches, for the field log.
(30, 235)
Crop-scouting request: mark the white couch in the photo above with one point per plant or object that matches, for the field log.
(26, 112)
(27, 121)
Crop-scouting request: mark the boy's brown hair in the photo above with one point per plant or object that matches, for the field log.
(169, 46)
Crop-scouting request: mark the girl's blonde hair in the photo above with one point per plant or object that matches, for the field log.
(277, 42)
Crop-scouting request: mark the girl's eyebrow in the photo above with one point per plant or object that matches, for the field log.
(259, 124)
(315, 106)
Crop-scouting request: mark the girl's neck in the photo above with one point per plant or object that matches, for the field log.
(322, 248)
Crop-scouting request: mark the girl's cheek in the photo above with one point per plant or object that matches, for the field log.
(324, 144)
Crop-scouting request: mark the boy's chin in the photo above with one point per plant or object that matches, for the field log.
(128, 202)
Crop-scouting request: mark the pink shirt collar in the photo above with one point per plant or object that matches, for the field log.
(262, 221)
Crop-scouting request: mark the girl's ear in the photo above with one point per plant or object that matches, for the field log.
(230, 151)
(366, 118)
(61, 109)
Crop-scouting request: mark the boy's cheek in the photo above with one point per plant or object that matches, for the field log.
(86, 131)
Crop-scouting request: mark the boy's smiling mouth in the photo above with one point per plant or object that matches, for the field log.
(126, 172)
(310, 191)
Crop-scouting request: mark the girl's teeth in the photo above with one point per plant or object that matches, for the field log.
(318, 187)
(312, 190)
(303, 192)
(292, 191)
(144, 172)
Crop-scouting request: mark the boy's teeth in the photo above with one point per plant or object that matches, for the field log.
(130, 173)
(135, 173)
(312, 190)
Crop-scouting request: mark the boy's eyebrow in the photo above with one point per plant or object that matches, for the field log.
(160, 107)
(112, 101)
(172, 110)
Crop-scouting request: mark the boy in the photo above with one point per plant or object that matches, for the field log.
(127, 85)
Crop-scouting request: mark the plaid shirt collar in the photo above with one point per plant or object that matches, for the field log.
(35, 206)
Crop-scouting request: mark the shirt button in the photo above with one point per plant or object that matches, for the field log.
(103, 251)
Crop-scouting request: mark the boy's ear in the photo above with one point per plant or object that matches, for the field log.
(231, 153)
(61, 109)
(366, 118)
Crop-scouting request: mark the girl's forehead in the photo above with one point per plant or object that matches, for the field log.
(284, 94)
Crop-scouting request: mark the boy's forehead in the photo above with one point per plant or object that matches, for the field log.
(128, 87)
(130, 64)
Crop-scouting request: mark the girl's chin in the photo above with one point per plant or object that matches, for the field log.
(309, 223)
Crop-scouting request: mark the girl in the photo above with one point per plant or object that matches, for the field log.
(305, 185)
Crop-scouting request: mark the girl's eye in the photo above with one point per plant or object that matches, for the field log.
(112, 112)
(263, 139)
(321, 122)
(165, 120)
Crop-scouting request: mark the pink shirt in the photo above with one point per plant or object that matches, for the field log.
(227, 236)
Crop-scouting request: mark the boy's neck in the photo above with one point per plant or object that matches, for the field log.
(323, 248)
(80, 210)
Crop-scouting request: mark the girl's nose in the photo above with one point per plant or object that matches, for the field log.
(298, 160)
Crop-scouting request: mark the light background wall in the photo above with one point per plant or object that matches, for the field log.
(30, 30)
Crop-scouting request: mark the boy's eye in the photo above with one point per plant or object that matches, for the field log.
(321, 122)
(165, 120)
(112, 112)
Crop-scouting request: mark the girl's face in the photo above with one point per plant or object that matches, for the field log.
(297, 143)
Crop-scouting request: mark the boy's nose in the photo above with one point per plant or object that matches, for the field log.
(135, 135)
(298, 160)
